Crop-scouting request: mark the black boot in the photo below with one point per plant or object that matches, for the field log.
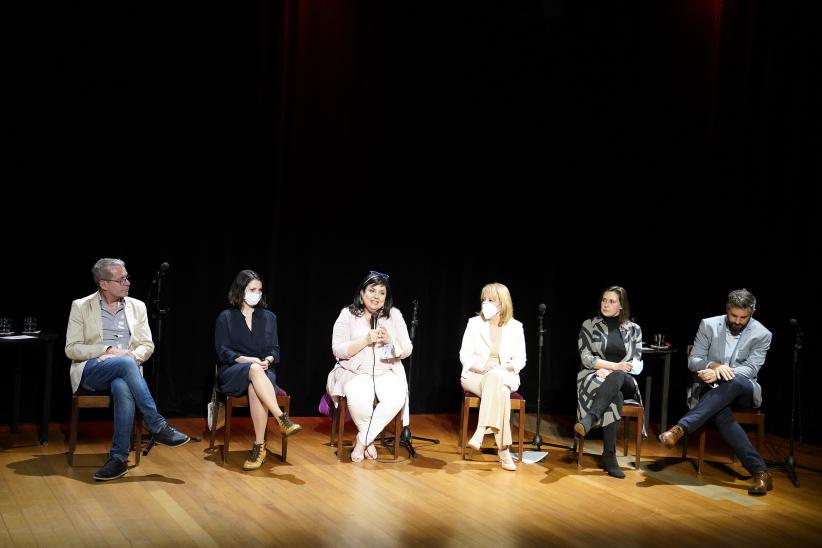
(609, 461)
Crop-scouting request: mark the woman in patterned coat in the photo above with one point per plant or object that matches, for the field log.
(610, 347)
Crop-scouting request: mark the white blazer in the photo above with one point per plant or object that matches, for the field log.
(476, 347)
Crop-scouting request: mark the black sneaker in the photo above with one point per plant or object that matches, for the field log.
(171, 437)
(111, 470)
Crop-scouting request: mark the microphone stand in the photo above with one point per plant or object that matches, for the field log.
(537, 441)
(157, 314)
(153, 300)
(789, 466)
(406, 437)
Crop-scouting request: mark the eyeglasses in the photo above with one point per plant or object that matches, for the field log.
(122, 281)
(374, 274)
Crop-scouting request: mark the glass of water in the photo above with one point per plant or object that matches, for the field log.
(29, 324)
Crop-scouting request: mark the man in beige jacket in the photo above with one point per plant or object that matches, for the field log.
(108, 338)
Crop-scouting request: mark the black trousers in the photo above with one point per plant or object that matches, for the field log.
(616, 387)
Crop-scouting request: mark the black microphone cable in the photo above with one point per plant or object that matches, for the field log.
(374, 318)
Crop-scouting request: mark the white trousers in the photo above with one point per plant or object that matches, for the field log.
(370, 420)
(495, 405)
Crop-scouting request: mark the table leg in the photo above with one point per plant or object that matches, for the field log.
(15, 411)
(647, 400)
(44, 425)
(665, 379)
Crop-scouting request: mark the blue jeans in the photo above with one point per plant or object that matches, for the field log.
(715, 404)
(121, 375)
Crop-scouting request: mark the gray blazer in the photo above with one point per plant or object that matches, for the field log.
(746, 360)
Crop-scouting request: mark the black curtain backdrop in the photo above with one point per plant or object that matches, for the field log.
(553, 146)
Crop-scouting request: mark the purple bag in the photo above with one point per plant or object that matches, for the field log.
(327, 408)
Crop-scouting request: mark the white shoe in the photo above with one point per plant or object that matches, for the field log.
(506, 461)
(475, 442)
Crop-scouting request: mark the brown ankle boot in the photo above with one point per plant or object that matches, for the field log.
(257, 458)
(761, 484)
(672, 436)
(287, 426)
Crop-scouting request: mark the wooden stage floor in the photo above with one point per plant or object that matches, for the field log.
(185, 497)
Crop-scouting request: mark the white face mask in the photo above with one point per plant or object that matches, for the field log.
(489, 310)
(252, 298)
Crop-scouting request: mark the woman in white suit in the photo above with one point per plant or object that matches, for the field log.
(492, 355)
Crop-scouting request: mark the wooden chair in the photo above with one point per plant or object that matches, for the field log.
(230, 402)
(630, 408)
(752, 417)
(471, 400)
(338, 416)
(86, 399)
(742, 416)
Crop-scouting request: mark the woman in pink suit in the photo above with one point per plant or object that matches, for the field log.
(369, 340)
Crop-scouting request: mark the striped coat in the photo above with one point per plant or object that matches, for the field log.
(592, 338)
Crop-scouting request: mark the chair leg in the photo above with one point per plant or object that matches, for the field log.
(521, 427)
(624, 436)
(137, 435)
(466, 411)
(212, 437)
(286, 407)
(580, 445)
(229, 407)
(701, 458)
(460, 435)
(75, 418)
(397, 434)
(760, 433)
(335, 416)
(341, 411)
(640, 420)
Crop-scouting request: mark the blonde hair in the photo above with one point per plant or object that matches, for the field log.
(506, 306)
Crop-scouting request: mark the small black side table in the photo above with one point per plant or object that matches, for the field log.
(20, 341)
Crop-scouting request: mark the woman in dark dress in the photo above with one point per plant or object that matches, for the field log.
(245, 337)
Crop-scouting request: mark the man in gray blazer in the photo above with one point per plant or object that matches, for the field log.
(728, 352)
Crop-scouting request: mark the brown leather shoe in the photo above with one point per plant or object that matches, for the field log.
(672, 436)
(761, 484)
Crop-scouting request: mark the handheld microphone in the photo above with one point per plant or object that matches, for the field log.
(374, 318)
(541, 309)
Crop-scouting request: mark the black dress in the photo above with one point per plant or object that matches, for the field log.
(232, 338)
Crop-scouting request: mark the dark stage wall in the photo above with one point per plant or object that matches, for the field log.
(554, 147)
